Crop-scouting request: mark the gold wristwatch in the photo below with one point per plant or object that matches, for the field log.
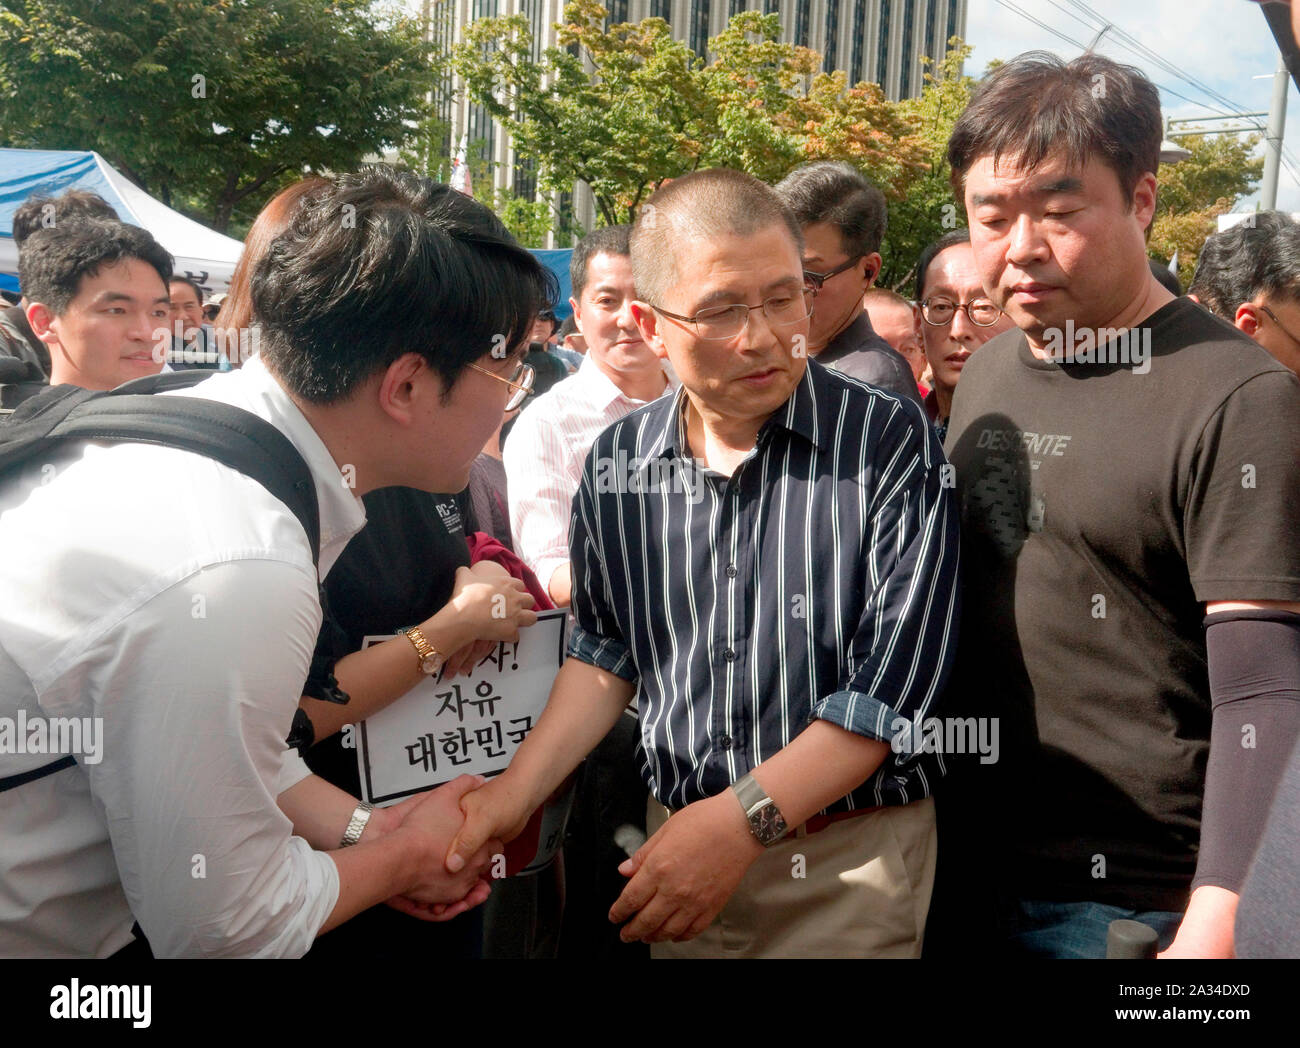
(431, 659)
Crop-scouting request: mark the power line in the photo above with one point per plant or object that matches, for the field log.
(1126, 39)
(1041, 25)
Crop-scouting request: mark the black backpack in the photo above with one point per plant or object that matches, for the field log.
(230, 435)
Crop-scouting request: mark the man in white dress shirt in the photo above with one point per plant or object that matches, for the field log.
(170, 605)
(549, 443)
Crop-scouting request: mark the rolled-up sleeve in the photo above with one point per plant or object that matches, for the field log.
(199, 693)
(597, 637)
(904, 641)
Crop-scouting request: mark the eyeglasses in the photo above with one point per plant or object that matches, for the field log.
(720, 323)
(979, 311)
(818, 279)
(1285, 330)
(520, 381)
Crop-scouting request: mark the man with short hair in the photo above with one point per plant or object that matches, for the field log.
(193, 342)
(1127, 473)
(957, 317)
(897, 321)
(97, 294)
(1250, 276)
(843, 219)
(768, 561)
(43, 212)
(546, 448)
(175, 602)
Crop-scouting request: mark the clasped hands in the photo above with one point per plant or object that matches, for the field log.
(678, 881)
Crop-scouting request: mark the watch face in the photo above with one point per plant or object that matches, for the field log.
(768, 824)
(431, 664)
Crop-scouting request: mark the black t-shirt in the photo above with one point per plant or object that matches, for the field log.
(1101, 508)
(396, 572)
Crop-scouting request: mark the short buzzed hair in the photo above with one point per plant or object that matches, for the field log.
(700, 206)
(1037, 104)
(838, 193)
(608, 240)
(885, 297)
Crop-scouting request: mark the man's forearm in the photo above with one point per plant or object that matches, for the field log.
(320, 813)
(585, 702)
(370, 873)
(821, 765)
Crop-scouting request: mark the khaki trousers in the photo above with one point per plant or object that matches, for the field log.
(858, 888)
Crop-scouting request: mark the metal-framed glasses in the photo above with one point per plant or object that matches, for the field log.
(979, 311)
(1285, 330)
(818, 279)
(720, 323)
(520, 383)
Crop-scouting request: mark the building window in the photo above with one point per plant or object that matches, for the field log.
(935, 49)
(526, 178)
(801, 22)
(882, 45)
(952, 23)
(832, 35)
(856, 71)
(700, 12)
(735, 8)
(617, 11)
(660, 9)
(906, 60)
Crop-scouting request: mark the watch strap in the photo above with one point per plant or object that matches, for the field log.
(356, 825)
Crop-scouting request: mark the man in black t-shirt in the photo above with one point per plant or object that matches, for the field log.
(1125, 465)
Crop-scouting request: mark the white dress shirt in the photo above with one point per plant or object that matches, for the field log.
(175, 599)
(544, 455)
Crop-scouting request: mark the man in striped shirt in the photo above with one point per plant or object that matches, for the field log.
(768, 559)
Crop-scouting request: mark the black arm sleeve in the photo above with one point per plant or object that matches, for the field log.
(1254, 664)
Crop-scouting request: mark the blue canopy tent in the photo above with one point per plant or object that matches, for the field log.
(207, 257)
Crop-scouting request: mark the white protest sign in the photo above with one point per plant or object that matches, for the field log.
(465, 725)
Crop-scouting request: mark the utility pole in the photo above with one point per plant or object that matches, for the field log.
(1273, 137)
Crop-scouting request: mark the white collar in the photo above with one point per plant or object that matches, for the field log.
(255, 389)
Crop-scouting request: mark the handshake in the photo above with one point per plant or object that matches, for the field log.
(458, 844)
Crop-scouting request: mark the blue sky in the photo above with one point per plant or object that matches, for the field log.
(1221, 43)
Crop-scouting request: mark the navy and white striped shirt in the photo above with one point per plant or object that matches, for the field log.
(818, 581)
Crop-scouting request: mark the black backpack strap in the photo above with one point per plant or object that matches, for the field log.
(12, 782)
(229, 435)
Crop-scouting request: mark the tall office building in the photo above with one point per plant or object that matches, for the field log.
(880, 41)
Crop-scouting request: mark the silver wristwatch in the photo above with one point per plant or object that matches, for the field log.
(356, 825)
(765, 819)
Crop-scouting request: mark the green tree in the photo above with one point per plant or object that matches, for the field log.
(624, 107)
(926, 208)
(1195, 191)
(212, 106)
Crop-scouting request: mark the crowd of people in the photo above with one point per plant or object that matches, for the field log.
(962, 623)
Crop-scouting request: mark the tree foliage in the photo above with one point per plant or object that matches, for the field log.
(1194, 192)
(212, 105)
(624, 107)
(926, 207)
